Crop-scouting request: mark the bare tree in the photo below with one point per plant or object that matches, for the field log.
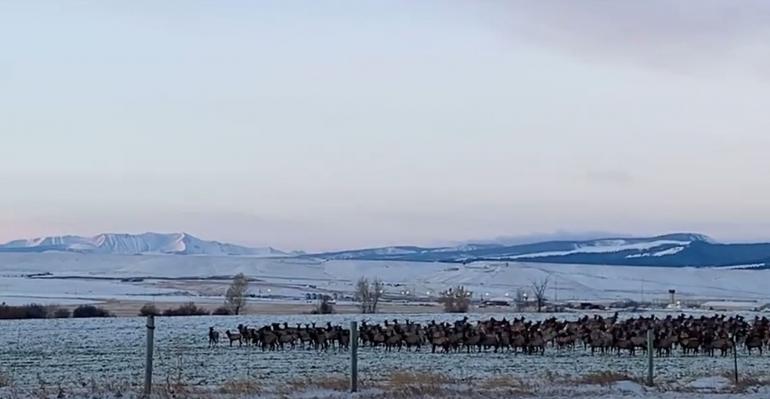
(538, 288)
(456, 300)
(362, 294)
(235, 298)
(368, 294)
(377, 289)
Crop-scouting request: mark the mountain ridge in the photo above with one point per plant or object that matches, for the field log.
(673, 250)
(668, 250)
(136, 244)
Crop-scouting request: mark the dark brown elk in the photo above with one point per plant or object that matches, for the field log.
(234, 337)
(213, 336)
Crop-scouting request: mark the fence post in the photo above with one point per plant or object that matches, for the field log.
(735, 359)
(148, 361)
(650, 365)
(353, 356)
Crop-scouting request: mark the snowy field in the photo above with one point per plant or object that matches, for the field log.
(75, 352)
(74, 278)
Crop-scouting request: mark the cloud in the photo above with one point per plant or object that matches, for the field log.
(680, 36)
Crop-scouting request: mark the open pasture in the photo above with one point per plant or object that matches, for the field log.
(78, 350)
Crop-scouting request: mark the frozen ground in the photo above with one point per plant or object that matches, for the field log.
(181, 278)
(77, 352)
(251, 389)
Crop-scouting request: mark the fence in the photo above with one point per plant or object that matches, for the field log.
(135, 353)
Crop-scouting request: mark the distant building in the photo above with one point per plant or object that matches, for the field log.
(501, 301)
(591, 304)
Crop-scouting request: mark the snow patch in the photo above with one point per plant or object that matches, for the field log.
(609, 247)
(710, 384)
(629, 387)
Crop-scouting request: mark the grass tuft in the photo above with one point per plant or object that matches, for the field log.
(5, 379)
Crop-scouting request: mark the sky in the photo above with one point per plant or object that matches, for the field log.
(322, 125)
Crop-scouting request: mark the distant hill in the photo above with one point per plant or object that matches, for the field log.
(681, 249)
(135, 244)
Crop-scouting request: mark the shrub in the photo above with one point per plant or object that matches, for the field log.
(90, 311)
(325, 306)
(33, 311)
(222, 311)
(61, 313)
(149, 309)
(456, 300)
(188, 309)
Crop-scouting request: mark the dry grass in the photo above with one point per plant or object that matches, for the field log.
(401, 378)
(508, 384)
(604, 378)
(242, 387)
(179, 391)
(331, 383)
(410, 384)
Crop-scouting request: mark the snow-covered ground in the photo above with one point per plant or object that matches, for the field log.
(100, 277)
(76, 353)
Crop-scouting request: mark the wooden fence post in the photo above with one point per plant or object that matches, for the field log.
(148, 360)
(650, 365)
(735, 359)
(353, 356)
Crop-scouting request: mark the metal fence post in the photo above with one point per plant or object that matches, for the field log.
(650, 365)
(148, 361)
(353, 356)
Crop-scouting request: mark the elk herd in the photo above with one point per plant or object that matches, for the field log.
(690, 335)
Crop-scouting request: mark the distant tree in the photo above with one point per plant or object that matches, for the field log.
(378, 288)
(35, 311)
(187, 309)
(456, 300)
(90, 311)
(362, 294)
(222, 311)
(60, 313)
(539, 288)
(235, 298)
(368, 294)
(32, 311)
(149, 309)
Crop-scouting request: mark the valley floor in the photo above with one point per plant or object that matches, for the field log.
(126, 308)
(281, 286)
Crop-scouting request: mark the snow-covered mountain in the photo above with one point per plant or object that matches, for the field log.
(681, 249)
(134, 244)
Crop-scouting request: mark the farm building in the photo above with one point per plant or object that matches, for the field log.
(500, 301)
(733, 305)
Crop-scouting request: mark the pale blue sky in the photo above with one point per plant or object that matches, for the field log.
(330, 124)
